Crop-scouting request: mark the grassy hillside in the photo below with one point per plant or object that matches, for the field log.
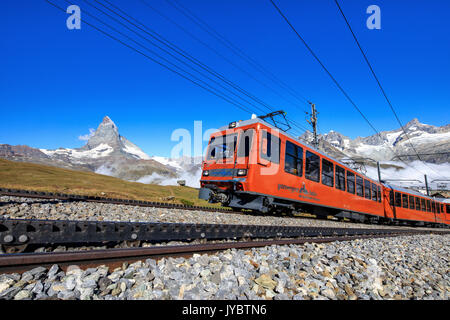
(29, 176)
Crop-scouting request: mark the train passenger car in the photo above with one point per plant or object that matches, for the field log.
(253, 165)
(445, 208)
(412, 206)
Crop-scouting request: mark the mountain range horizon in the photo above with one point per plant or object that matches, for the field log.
(107, 152)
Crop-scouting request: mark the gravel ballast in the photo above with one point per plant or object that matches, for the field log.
(408, 267)
(26, 208)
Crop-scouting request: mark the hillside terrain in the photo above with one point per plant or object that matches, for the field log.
(30, 176)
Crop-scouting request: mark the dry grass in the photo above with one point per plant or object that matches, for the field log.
(29, 176)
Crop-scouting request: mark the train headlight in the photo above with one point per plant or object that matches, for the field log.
(242, 172)
(205, 173)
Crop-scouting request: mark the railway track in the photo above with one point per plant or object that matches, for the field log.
(17, 233)
(75, 197)
(113, 258)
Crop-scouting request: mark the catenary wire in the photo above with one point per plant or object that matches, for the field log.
(218, 94)
(379, 85)
(213, 33)
(334, 80)
(186, 55)
(216, 52)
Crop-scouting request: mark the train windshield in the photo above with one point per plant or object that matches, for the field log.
(222, 147)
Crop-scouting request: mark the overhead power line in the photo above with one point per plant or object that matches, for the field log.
(332, 77)
(213, 91)
(184, 54)
(379, 84)
(180, 52)
(236, 50)
(160, 59)
(216, 52)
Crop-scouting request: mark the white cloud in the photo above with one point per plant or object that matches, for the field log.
(414, 171)
(105, 170)
(192, 180)
(86, 137)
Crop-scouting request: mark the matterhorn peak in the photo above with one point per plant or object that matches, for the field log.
(107, 119)
(106, 133)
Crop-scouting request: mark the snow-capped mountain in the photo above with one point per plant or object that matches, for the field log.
(105, 142)
(390, 144)
(106, 152)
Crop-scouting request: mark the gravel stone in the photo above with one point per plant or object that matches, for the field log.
(407, 267)
(89, 211)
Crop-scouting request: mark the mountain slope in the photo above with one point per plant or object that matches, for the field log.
(30, 176)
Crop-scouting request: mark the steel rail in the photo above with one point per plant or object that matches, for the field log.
(18, 263)
(75, 197)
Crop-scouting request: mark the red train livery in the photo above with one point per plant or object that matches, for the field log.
(252, 165)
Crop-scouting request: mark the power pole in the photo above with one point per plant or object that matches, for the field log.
(313, 122)
(426, 186)
(379, 171)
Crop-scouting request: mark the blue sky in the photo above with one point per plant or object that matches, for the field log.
(56, 84)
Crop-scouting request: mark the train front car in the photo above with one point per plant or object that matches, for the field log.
(227, 164)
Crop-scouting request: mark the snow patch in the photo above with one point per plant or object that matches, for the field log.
(102, 150)
(136, 151)
(168, 162)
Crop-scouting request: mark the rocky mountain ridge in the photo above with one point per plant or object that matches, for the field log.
(389, 145)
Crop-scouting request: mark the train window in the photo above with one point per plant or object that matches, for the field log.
(312, 167)
(270, 147)
(350, 182)
(359, 186)
(391, 198)
(367, 189)
(340, 178)
(379, 194)
(293, 159)
(438, 208)
(433, 207)
(222, 147)
(422, 205)
(417, 203)
(428, 205)
(447, 207)
(374, 192)
(245, 143)
(327, 173)
(398, 199)
(404, 200)
(411, 202)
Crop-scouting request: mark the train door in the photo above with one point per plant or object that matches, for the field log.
(389, 208)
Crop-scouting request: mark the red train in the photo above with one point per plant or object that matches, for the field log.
(253, 165)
